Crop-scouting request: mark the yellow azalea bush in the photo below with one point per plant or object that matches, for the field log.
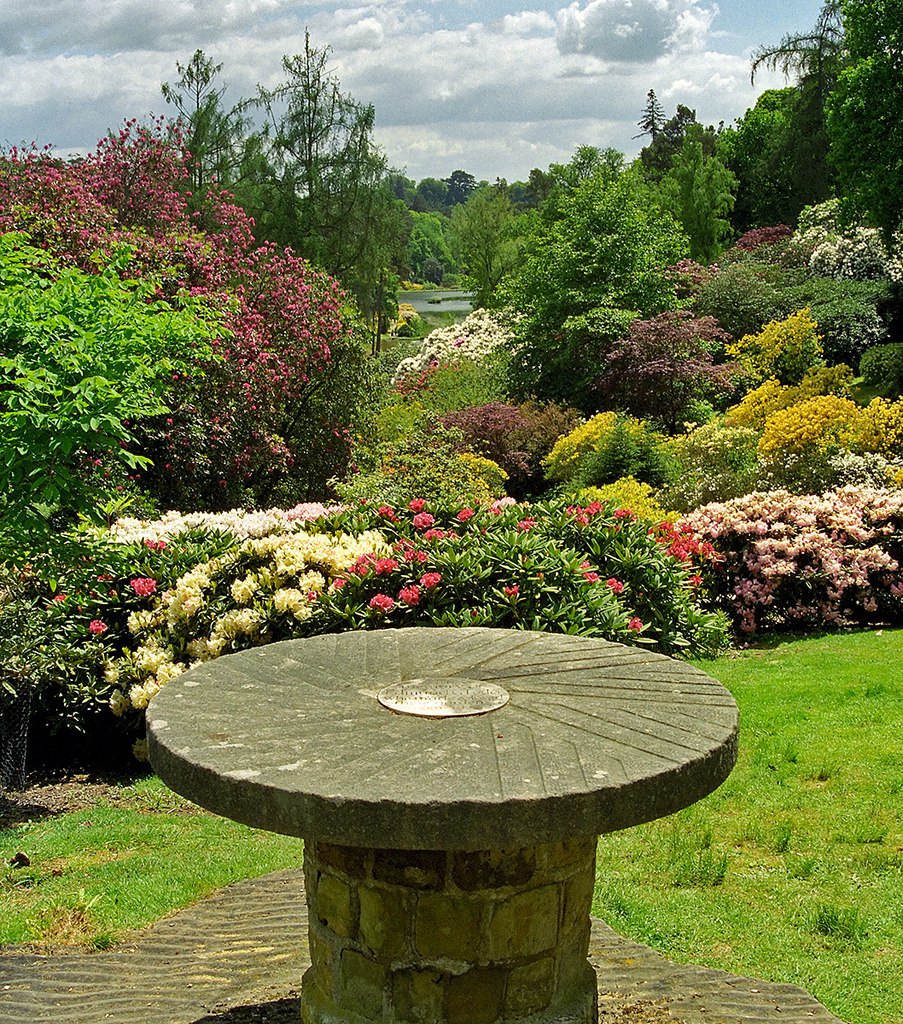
(785, 349)
(487, 478)
(632, 494)
(820, 423)
(563, 460)
(258, 592)
(771, 396)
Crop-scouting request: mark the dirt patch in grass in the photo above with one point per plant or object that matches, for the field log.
(79, 792)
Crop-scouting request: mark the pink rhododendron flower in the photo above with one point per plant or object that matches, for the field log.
(387, 513)
(592, 577)
(410, 595)
(465, 514)
(423, 520)
(635, 624)
(155, 545)
(144, 586)
(430, 579)
(97, 627)
(512, 591)
(381, 603)
(616, 585)
(384, 566)
(339, 582)
(417, 504)
(59, 598)
(435, 534)
(526, 524)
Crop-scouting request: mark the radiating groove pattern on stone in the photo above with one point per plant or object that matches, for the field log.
(595, 737)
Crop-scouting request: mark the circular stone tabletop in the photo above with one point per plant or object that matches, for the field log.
(594, 737)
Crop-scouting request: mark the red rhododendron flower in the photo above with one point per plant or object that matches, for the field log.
(423, 520)
(635, 624)
(410, 595)
(526, 524)
(511, 591)
(144, 586)
(430, 579)
(97, 627)
(381, 603)
(417, 504)
(465, 514)
(384, 566)
(616, 585)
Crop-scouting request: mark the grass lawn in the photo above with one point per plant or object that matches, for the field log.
(792, 871)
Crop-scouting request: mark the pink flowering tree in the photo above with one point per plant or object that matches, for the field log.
(271, 407)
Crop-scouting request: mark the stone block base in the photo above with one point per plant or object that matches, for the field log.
(436, 937)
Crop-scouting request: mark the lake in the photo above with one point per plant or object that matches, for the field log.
(432, 300)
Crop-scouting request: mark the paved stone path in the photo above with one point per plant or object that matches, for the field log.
(237, 958)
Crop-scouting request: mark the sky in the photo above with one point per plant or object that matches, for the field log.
(493, 88)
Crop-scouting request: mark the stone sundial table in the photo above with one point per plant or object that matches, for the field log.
(450, 785)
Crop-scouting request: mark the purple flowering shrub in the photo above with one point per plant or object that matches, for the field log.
(796, 562)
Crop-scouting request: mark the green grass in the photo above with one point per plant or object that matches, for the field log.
(792, 871)
(97, 873)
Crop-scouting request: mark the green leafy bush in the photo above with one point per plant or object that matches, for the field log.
(882, 367)
(81, 357)
(606, 448)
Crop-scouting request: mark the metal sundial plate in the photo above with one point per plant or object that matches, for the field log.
(442, 698)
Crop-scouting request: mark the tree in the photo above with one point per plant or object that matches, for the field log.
(460, 186)
(213, 136)
(653, 118)
(594, 261)
(656, 158)
(759, 149)
(483, 229)
(428, 244)
(815, 59)
(324, 188)
(699, 192)
(865, 113)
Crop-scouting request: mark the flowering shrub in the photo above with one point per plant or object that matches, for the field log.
(276, 404)
(797, 562)
(67, 630)
(753, 239)
(239, 523)
(562, 462)
(479, 334)
(631, 494)
(837, 251)
(785, 349)
(831, 422)
(757, 405)
(514, 437)
(715, 461)
(742, 296)
(593, 570)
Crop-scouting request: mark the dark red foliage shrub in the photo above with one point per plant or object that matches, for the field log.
(665, 364)
(516, 437)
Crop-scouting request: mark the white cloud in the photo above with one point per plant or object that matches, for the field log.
(632, 31)
(518, 89)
